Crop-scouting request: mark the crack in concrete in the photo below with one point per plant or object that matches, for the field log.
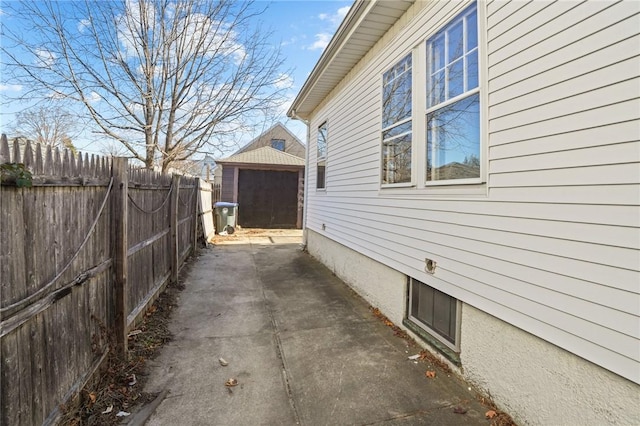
(279, 349)
(409, 415)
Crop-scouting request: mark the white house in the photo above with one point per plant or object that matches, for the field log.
(474, 171)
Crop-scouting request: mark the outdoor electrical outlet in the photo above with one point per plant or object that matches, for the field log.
(323, 227)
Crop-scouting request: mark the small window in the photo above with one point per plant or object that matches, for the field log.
(453, 101)
(321, 162)
(277, 144)
(434, 311)
(396, 123)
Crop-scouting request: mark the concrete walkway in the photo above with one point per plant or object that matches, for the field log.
(302, 346)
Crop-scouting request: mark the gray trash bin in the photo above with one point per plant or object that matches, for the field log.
(226, 217)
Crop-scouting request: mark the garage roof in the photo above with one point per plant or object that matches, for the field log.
(366, 22)
(264, 155)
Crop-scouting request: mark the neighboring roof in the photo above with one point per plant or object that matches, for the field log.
(269, 130)
(264, 155)
(365, 24)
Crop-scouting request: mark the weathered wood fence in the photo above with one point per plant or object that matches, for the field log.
(89, 246)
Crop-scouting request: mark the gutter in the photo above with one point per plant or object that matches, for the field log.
(292, 114)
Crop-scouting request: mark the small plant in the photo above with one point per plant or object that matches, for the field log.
(16, 173)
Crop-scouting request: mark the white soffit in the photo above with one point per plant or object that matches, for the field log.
(366, 22)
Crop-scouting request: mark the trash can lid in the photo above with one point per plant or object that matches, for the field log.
(225, 204)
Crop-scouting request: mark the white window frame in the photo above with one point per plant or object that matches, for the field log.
(322, 157)
(465, 94)
(405, 120)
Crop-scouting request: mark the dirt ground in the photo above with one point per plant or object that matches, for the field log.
(118, 387)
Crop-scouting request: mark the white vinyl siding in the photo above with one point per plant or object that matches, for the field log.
(553, 244)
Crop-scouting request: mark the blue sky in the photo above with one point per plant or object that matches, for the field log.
(302, 29)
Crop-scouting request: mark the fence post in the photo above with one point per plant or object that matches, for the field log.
(175, 249)
(119, 219)
(196, 214)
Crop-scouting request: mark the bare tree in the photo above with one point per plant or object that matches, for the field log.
(164, 78)
(47, 125)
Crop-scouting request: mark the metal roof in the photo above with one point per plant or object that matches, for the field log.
(366, 22)
(264, 155)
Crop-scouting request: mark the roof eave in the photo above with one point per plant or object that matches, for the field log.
(302, 106)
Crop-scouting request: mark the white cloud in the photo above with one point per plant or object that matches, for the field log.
(83, 25)
(335, 18)
(45, 58)
(284, 81)
(10, 88)
(322, 40)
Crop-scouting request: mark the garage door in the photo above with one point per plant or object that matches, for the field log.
(268, 199)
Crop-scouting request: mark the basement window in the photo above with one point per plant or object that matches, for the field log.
(434, 312)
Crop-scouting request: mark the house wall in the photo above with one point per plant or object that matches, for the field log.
(291, 144)
(549, 245)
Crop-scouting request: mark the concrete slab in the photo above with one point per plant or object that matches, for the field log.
(303, 346)
(260, 237)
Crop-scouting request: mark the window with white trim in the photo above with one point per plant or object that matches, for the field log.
(396, 123)
(321, 162)
(453, 101)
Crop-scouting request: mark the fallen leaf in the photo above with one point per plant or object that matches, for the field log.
(223, 362)
(133, 380)
(430, 374)
(459, 410)
(123, 414)
(92, 397)
(413, 357)
(231, 382)
(490, 414)
(108, 410)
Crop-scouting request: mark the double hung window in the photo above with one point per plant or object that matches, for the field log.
(321, 161)
(396, 123)
(453, 101)
(446, 95)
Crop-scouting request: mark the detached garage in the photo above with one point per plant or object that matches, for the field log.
(267, 184)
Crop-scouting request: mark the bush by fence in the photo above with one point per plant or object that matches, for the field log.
(90, 244)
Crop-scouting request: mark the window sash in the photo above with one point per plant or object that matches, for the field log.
(321, 143)
(453, 144)
(441, 62)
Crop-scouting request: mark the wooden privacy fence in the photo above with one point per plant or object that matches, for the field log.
(87, 248)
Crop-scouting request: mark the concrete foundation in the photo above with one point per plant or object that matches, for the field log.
(380, 285)
(539, 383)
(534, 381)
